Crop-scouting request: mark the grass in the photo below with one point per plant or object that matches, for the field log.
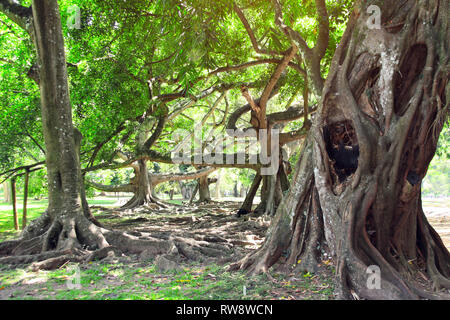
(100, 281)
(34, 209)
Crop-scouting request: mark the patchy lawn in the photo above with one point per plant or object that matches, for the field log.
(134, 280)
(34, 209)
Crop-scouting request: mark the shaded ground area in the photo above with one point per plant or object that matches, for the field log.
(146, 277)
(215, 222)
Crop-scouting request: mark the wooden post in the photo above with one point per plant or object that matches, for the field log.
(14, 203)
(25, 200)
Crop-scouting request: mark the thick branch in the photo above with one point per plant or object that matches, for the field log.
(276, 76)
(159, 129)
(288, 31)
(160, 178)
(17, 13)
(110, 188)
(312, 57)
(97, 149)
(255, 63)
(252, 103)
(324, 29)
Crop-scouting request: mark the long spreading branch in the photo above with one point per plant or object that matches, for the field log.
(160, 178)
(12, 172)
(249, 64)
(275, 77)
(19, 14)
(159, 128)
(324, 29)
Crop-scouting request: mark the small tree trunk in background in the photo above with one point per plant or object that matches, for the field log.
(272, 191)
(248, 202)
(143, 187)
(204, 194)
(14, 204)
(242, 191)
(236, 190)
(217, 189)
(194, 193)
(184, 190)
(25, 200)
(6, 192)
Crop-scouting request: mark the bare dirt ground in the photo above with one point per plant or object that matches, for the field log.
(438, 214)
(213, 222)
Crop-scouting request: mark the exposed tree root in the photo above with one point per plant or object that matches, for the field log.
(143, 201)
(79, 240)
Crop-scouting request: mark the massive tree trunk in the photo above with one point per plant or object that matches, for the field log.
(65, 227)
(357, 188)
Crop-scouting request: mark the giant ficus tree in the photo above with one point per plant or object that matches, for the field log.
(384, 102)
(64, 215)
(63, 232)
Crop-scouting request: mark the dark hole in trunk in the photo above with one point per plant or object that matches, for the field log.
(413, 178)
(53, 237)
(406, 79)
(342, 148)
